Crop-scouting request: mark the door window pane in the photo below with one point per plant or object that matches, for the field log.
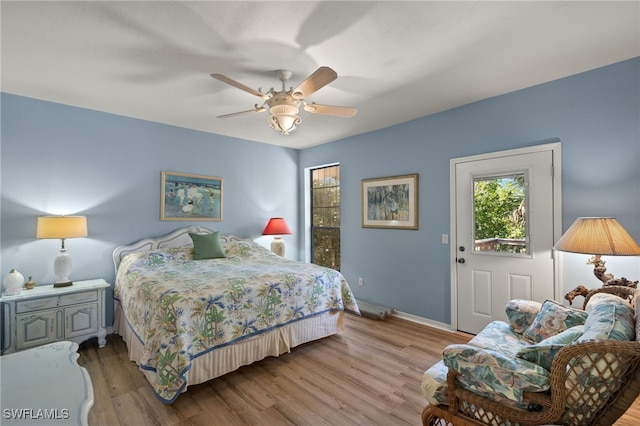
(500, 214)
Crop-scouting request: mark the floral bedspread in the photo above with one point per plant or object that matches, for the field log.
(181, 308)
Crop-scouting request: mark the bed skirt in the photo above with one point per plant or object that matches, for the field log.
(229, 358)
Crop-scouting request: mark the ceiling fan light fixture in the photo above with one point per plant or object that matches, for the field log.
(284, 117)
(284, 123)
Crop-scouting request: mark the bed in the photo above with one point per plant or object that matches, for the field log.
(187, 319)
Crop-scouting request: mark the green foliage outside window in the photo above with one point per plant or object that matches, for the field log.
(325, 217)
(500, 213)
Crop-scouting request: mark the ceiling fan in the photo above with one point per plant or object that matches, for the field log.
(285, 104)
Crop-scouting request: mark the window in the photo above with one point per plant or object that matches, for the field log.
(325, 216)
(499, 210)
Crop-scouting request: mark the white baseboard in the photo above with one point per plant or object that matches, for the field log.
(422, 320)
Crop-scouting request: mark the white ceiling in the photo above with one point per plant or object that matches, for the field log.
(396, 61)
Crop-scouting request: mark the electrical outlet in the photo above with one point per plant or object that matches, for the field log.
(360, 281)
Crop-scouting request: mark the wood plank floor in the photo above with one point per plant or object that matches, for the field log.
(367, 375)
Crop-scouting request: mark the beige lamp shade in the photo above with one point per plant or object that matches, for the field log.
(61, 227)
(599, 236)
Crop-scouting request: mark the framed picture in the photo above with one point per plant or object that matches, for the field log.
(390, 202)
(190, 197)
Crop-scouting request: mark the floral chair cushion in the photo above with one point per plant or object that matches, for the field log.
(521, 313)
(499, 336)
(488, 372)
(552, 319)
(610, 318)
(434, 383)
(542, 353)
(434, 387)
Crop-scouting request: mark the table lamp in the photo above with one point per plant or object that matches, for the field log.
(62, 227)
(598, 236)
(276, 227)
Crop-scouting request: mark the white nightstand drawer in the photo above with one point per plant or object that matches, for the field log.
(72, 299)
(36, 304)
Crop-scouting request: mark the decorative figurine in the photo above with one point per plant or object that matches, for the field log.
(13, 283)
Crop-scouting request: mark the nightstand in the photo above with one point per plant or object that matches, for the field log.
(47, 314)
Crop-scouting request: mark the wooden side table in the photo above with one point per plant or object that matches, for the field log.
(48, 314)
(45, 385)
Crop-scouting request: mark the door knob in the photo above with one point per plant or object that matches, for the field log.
(461, 260)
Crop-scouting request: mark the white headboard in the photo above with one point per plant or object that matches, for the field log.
(179, 237)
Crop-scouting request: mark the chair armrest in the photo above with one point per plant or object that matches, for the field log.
(608, 365)
(602, 366)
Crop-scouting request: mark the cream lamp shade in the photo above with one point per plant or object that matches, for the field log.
(62, 227)
(277, 226)
(598, 236)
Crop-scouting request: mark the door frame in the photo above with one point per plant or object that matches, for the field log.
(556, 153)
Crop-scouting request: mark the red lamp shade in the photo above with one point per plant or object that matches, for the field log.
(276, 226)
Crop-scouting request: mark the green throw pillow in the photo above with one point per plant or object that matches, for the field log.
(207, 246)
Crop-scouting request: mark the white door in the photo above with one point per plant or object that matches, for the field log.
(504, 233)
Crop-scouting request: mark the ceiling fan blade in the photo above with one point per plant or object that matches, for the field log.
(233, 114)
(240, 86)
(316, 81)
(336, 111)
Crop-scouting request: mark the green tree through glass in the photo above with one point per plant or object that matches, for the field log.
(325, 217)
(500, 214)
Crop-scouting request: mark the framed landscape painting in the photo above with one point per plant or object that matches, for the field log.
(190, 197)
(390, 202)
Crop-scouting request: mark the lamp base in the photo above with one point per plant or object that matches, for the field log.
(62, 269)
(277, 246)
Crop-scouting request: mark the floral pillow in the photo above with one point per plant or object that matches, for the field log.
(552, 319)
(157, 258)
(610, 318)
(521, 313)
(488, 372)
(542, 353)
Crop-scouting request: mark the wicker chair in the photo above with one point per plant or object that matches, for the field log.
(615, 364)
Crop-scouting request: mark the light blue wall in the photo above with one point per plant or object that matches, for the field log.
(58, 159)
(595, 115)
